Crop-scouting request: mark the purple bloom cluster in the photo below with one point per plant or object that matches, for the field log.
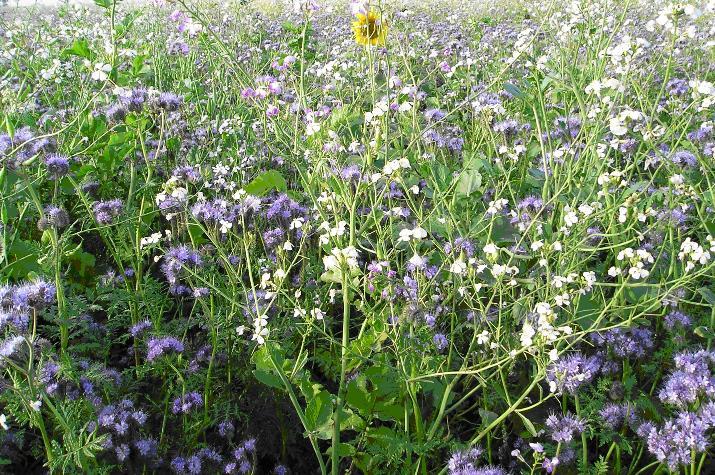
(692, 379)
(22, 145)
(56, 385)
(137, 98)
(489, 470)
(440, 341)
(273, 238)
(202, 356)
(175, 260)
(116, 113)
(680, 438)
(9, 346)
(615, 415)
(567, 128)
(122, 423)
(17, 302)
(284, 209)
(527, 209)
(677, 87)
(211, 212)
(240, 462)
(460, 245)
(57, 165)
(564, 428)
(676, 319)
(567, 374)
(156, 347)
(140, 328)
(684, 158)
(187, 173)
(625, 343)
(187, 402)
(226, 429)
(53, 217)
(509, 128)
(464, 462)
(168, 101)
(106, 211)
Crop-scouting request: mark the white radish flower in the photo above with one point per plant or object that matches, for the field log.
(101, 72)
(458, 267)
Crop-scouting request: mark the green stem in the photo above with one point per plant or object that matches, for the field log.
(343, 367)
(584, 446)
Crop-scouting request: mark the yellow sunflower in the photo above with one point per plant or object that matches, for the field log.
(370, 29)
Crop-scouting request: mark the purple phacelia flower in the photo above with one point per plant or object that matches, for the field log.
(691, 380)
(464, 462)
(625, 342)
(57, 165)
(568, 374)
(187, 402)
(156, 347)
(168, 101)
(684, 158)
(106, 211)
(615, 415)
(116, 113)
(440, 341)
(564, 428)
(140, 328)
(676, 319)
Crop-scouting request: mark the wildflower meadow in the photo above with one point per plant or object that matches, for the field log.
(357, 237)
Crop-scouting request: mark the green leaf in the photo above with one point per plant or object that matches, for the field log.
(265, 371)
(82, 260)
(487, 416)
(344, 450)
(79, 48)
(359, 398)
(263, 183)
(388, 411)
(587, 310)
(469, 182)
(269, 379)
(704, 332)
(331, 276)
(442, 176)
(23, 258)
(503, 232)
(319, 410)
(528, 424)
(514, 91)
(707, 294)
(474, 161)
(197, 234)
(636, 295)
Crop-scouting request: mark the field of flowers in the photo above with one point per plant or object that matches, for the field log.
(386, 237)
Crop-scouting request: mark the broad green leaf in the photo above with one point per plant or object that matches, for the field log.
(80, 48)
(23, 258)
(265, 182)
(388, 411)
(515, 91)
(487, 416)
(469, 182)
(319, 410)
(269, 379)
(359, 398)
(708, 295)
